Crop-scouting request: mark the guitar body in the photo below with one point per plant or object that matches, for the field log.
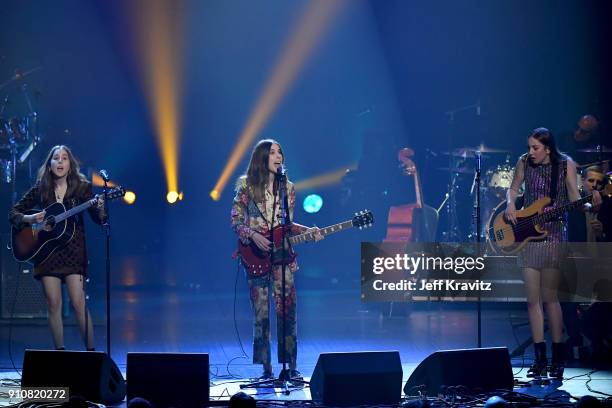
(35, 243)
(258, 263)
(510, 238)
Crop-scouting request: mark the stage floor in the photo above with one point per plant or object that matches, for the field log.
(329, 321)
(221, 389)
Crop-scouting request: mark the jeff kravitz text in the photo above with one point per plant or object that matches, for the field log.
(432, 285)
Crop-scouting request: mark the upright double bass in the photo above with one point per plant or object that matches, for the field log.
(415, 222)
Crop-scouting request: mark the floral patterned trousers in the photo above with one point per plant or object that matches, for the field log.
(260, 302)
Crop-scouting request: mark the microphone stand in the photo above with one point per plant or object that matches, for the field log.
(285, 375)
(106, 228)
(478, 230)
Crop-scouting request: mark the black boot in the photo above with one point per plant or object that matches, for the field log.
(538, 368)
(557, 364)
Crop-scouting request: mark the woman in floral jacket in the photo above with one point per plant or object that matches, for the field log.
(255, 204)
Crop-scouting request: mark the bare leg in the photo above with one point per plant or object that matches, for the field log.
(534, 303)
(52, 287)
(77, 298)
(550, 285)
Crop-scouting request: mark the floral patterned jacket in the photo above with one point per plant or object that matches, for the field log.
(248, 217)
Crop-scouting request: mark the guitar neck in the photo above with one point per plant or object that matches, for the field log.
(75, 210)
(309, 236)
(556, 212)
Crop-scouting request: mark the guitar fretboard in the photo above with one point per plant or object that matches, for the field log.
(556, 212)
(309, 236)
(75, 210)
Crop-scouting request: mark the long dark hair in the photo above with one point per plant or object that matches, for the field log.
(546, 137)
(46, 181)
(257, 174)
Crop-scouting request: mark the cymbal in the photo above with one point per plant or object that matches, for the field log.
(459, 170)
(19, 76)
(595, 163)
(596, 149)
(466, 152)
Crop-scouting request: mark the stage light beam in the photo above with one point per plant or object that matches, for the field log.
(313, 24)
(159, 43)
(322, 180)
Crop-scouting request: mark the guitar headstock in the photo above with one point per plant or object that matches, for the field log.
(115, 192)
(363, 219)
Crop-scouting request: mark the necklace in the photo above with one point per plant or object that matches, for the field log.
(59, 195)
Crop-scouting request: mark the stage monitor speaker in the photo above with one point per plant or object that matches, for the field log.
(89, 374)
(485, 369)
(357, 378)
(21, 295)
(169, 379)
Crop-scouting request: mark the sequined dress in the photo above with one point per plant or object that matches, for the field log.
(546, 253)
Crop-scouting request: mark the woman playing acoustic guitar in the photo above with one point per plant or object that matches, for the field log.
(59, 180)
(256, 210)
(546, 172)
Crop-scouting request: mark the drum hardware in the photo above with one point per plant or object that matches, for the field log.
(18, 134)
(457, 170)
(471, 152)
(596, 149)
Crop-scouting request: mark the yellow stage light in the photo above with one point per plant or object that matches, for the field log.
(129, 197)
(174, 196)
(215, 195)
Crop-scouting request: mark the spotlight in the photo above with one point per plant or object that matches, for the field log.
(174, 196)
(129, 197)
(215, 195)
(313, 203)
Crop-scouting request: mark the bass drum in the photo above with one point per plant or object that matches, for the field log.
(499, 179)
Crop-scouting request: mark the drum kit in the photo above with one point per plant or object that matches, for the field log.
(19, 134)
(496, 180)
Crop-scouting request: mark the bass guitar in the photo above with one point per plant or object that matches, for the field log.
(258, 263)
(509, 238)
(35, 243)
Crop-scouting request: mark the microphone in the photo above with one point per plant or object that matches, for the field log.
(281, 171)
(104, 174)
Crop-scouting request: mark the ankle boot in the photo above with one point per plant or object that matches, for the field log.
(540, 364)
(557, 363)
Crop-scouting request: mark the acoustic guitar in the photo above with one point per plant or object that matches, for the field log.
(35, 243)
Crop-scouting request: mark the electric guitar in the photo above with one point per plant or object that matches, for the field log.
(503, 236)
(35, 243)
(258, 263)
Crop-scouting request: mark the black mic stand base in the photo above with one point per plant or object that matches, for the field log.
(284, 382)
